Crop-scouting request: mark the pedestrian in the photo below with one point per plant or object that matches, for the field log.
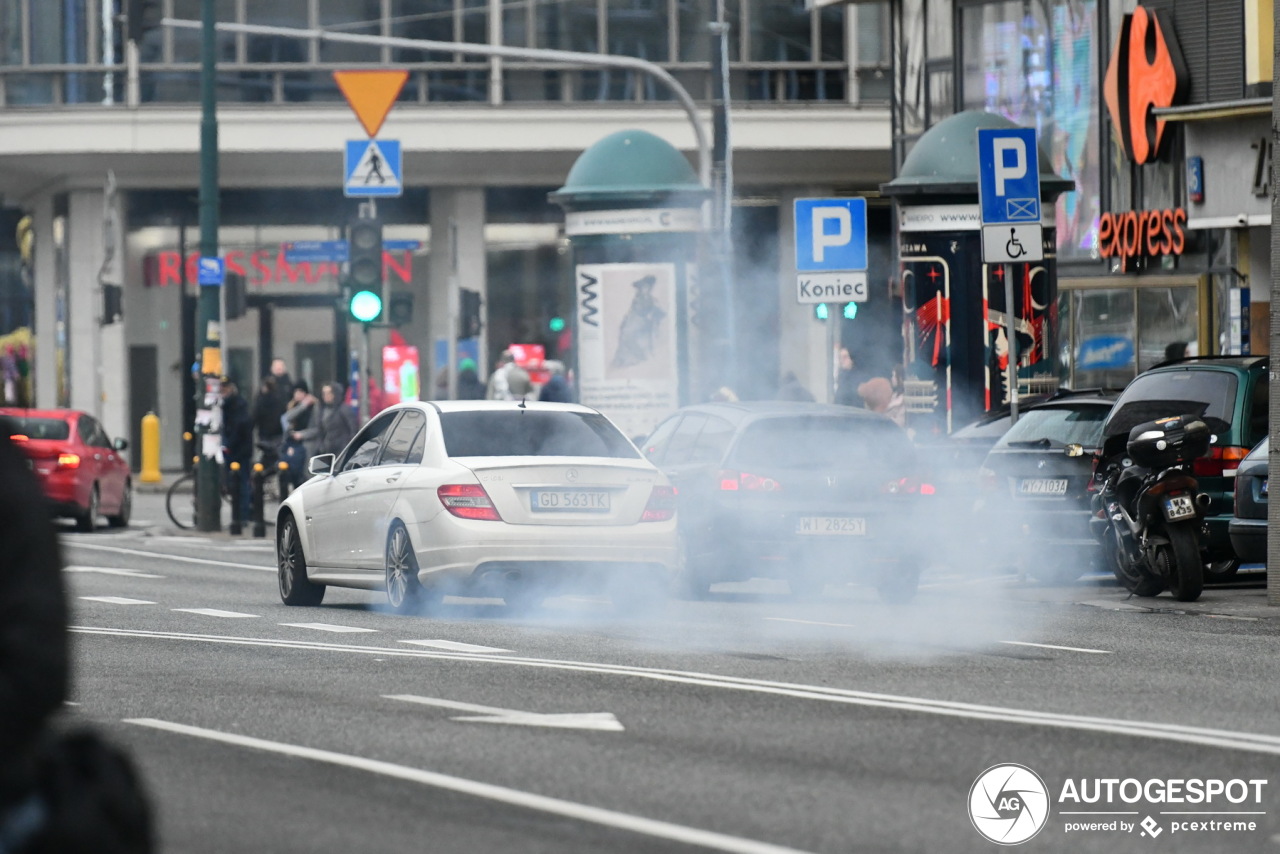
(877, 394)
(296, 419)
(34, 658)
(793, 389)
(508, 381)
(723, 394)
(1176, 350)
(284, 382)
(469, 385)
(556, 389)
(268, 406)
(848, 379)
(333, 425)
(237, 446)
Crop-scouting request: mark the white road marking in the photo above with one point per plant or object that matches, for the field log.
(110, 570)
(501, 794)
(214, 612)
(455, 646)
(117, 600)
(327, 627)
(491, 715)
(158, 556)
(812, 622)
(1226, 739)
(1067, 648)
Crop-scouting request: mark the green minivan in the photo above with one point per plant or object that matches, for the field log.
(1231, 394)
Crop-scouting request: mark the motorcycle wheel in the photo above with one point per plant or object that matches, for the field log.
(1186, 573)
(1133, 578)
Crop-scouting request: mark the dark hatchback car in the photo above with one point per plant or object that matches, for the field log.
(1035, 503)
(806, 492)
(1248, 529)
(1231, 394)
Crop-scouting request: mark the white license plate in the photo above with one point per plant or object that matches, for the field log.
(1179, 507)
(848, 526)
(1043, 486)
(591, 500)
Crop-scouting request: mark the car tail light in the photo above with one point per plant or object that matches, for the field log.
(468, 501)
(68, 461)
(731, 481)
(1218, 462)
(907, 486)
(988, 480)
(661, 506)
(20, 437)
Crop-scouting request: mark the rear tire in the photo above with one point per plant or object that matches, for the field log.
(1186, 576)
(1221, 570)
(405, 593)
(121, 519)
(692, 581)
(899, 584)
(291, 565)
(87, 522)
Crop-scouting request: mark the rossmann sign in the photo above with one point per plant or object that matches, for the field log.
(1146, 72)
(269, 269)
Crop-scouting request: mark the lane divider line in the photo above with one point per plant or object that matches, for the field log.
(327, 627)
(1055, 646)
(117, 600)
(158, 556)
(110, 570)
(488, 791)
(1227, 739)
(214, 612)
(454, 646)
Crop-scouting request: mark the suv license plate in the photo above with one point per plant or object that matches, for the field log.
(1051, 487)
(848, 526)
(596, 501)
(1179, 507)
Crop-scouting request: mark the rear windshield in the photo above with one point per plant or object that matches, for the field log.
(530, 433)
(822, 442)
(1059, 425)
(1211, 395)
(39, 428)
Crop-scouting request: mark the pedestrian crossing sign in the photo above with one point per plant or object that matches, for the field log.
(372, 168)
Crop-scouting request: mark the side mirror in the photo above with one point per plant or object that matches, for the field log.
(321, 464)
(1074, 450)
(120, 444)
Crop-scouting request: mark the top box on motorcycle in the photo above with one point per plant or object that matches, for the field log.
(1169, 441)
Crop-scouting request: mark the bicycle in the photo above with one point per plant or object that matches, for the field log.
(180, 500)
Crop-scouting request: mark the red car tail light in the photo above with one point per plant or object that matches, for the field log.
(907, 486)
(1218, 462)
(733, 480)
(468, 501)
(661, 506)
(68, 461)
(20, 437)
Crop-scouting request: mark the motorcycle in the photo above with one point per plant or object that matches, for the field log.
(1148, 512)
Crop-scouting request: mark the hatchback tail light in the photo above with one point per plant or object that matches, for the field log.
(988, 480)
(661, 506)
(468, 501)
(731, 481)
(907, 486)
(1218, 462)
(68, 461)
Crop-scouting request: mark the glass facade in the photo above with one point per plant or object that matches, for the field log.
(779, 51)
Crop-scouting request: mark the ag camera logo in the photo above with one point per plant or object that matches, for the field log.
(1008, 804)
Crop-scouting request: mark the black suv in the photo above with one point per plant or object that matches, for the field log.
(1231, 394)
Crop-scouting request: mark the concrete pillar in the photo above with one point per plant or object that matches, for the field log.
(458, 260)
(84, 300)
(803, 341)
(45, 278)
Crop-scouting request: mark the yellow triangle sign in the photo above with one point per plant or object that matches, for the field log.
(371, 94)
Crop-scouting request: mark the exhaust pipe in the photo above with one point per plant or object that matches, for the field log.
(1204, 500)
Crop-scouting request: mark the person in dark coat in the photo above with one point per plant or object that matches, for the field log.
(556, 389)
(34, 657)
(333, 426)
(269, 404)
(237, 443)
(791, 389)
(297, 417)
(469, 385)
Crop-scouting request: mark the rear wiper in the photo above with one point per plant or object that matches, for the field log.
(1032, 443)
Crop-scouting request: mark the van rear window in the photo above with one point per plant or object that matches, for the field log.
(1211, 395)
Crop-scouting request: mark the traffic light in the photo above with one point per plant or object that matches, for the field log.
(364, 239)
(144, 16)
(820, 311)
(469, 323)
(400, 308)
(233, 288)
(556, 324)
(850, 310)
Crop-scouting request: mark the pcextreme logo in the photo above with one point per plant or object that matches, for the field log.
(1146, 72)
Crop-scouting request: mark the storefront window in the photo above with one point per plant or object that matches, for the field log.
(1115, 333)
(1037, 65)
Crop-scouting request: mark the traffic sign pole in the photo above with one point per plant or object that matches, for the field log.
(1011, 333)
(209, 324)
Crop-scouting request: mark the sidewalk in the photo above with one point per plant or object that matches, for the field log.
(1244, 598)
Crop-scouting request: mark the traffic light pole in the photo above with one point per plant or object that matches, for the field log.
(209, 315)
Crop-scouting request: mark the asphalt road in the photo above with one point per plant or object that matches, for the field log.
(748, 723)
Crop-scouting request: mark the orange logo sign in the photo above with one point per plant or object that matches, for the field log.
(1142, 234)
(1146, 72)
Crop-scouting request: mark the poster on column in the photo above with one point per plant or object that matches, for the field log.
(627, 342)
(401, 374)
(1035, 324)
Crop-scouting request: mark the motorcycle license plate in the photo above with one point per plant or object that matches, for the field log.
(1179, 507)
(1043, 487)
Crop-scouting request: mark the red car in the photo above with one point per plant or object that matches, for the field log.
(84, 473)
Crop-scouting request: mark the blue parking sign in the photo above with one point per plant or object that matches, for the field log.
(831, 234)
(1008, 176)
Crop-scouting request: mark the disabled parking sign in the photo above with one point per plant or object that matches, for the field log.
(1009, 195)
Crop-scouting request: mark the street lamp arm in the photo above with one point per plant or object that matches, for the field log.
(568, 57)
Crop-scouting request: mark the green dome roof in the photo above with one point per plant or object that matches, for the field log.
(630, 166)
(944, 160)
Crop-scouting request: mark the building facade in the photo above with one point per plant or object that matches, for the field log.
(99, 166)
(1159, 112)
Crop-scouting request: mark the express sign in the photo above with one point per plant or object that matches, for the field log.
(1138, 234)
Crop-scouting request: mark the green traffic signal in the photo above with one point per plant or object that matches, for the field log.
(556, 324)
(850, 310)
(366, 306)
(820, 311)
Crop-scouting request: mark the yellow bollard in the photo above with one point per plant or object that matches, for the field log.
(150, 449)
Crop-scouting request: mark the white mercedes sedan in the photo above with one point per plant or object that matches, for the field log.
(518, 500)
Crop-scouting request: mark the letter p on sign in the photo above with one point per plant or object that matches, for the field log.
(1006, 171)
(823, 237)
(831, 234)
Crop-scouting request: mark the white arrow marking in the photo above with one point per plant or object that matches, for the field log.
(326, 627)
(117, 600)
(111, 570)
(490, 715)
(214, 612)
(455, 646)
